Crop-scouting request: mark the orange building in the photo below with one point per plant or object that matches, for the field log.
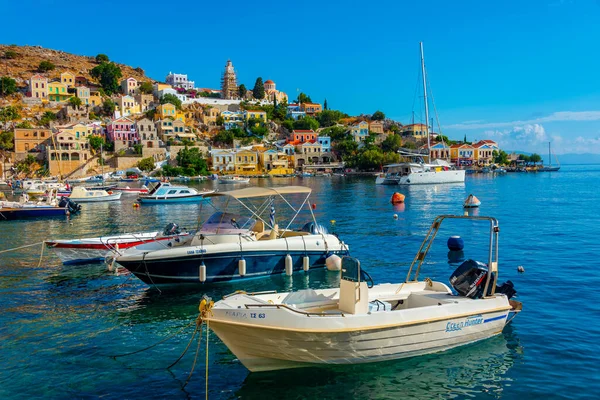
(32, 141)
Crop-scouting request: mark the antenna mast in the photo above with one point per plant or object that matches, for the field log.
(426, 107)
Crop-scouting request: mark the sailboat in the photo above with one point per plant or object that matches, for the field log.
(418, 173)
(549, 167)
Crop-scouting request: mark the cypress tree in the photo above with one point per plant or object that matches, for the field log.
(325, 104)
(259, 89)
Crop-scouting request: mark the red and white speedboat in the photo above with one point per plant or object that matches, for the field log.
(128, 190)
(88, 250)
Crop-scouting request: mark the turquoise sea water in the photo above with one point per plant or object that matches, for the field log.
(59, 325)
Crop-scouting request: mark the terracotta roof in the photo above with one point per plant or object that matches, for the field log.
(269, 81)
(303, 131)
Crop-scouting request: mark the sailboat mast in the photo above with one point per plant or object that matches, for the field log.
(549, 159)
(426, 105)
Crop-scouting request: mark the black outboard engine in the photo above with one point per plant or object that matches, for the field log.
(171, 229)
(72, 206)
(469, 280)
(314, 229)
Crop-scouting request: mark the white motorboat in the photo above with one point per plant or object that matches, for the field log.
(229, 246)
(162, 192)
(83, 195)
(87, 250)
(362, 323)
(233, 179)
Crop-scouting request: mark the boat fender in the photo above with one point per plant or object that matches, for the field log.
(305, 263)
(455, 243)
(333, 263)
(395, 216)
(202, 273)
(289, 267)
(242, 267)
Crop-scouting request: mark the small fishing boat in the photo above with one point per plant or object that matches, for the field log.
(233, 179)
(360, 322)
(229, 246)
(471, 202)
(128, 190)
(50, 207)
(97, 249)
(164, 192)
(83, 195)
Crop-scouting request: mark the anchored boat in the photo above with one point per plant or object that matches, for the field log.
(97, 249)
(230, 246)
(162, 192)
(360, 322)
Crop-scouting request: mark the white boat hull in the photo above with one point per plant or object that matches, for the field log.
(97, 199)
(270, 338)
(432, 177)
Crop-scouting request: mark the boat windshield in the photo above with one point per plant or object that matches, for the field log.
(224, 222)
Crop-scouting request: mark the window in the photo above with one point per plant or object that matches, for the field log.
(184, 191)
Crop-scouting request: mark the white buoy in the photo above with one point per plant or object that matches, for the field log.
(202, 272)
(395, 216)
(305, 263)
(289, 267)
(520, 268)
(333, 263)
(242, 267)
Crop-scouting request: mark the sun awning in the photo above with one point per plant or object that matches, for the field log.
(261, 192)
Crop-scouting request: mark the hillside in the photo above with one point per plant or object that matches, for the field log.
(28, 58)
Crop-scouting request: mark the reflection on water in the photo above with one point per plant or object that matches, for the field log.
(465, 371)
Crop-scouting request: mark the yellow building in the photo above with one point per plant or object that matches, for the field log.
(246, 162)
(78, 131)
(128, 106)
(33, 140)
(38, 87)
(95, 99)
(57, 91)
(168, 110)
(275, 162)
(67, 154)
(258, 115)
(68, 79)
(83, 92)
(210, 115)
(418, 131)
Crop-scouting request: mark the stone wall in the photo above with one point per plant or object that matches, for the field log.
(121, 163)
(158, 154)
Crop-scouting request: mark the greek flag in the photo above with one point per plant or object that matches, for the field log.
(272, 215)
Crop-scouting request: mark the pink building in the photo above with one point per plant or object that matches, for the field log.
(122, 132)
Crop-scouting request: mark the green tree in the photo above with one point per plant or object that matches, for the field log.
(172, 99)
(306, 123)
(25, 166)
(9, 113)
(102, 58)
(391, 143)
(192, 161)
(224, 138)
(370, 159)
(138, 148)
(345, 148)
(325, 105)
(329, 117)
(7, 140)
(242, 91)
(259, 89)
(108, 107)
(500, 157)
(75, 102)
(46, 66)
(303, 98)
(535, 158)
(48, 117)
(7, 86)
(146, 87)
(525, 158)
(96, 142)
(10, 54)
(378, 116)
(336, 133)
(108, 74)
(220, 121)
(24, 125)
(146, 164)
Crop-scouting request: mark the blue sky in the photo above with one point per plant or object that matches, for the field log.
(520, 72)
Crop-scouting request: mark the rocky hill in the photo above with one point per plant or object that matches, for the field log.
(27, 59)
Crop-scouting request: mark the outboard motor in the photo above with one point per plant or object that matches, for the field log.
(171, 229)
(314, 229)
(469, 280)
(72, 206)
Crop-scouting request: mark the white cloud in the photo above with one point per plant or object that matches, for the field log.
(519, 137)
(559, 116)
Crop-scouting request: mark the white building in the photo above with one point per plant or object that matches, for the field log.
(223, 160)
(179, 80)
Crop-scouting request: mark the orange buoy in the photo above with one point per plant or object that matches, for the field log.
(397, 198)
(136, 205)
(314, 206)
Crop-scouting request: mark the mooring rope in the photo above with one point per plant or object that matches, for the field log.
(21, 247)
(155, 344)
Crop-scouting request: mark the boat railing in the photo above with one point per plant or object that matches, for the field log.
(492, 265)
(249, 294)
(307, 313)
